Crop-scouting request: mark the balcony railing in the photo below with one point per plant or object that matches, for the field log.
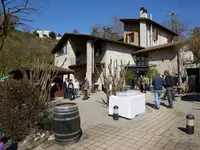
(142, 63)
(77, 61)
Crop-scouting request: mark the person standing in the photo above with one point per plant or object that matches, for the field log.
(169, 88)
(141, 83)
(71, 89)
(158, 83)
(76, 88)
(86, 88)
(146, 85)
(165, 93)
(65, 88)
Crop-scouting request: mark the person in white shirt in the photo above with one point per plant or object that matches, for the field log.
(76, 88)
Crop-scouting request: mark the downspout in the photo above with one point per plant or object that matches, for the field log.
(151, 41)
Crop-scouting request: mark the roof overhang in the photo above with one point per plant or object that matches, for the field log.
(160, 47)
(86, 37)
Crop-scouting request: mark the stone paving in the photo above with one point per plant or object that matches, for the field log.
(155, 129)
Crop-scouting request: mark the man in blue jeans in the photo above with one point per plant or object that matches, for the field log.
(158, 83)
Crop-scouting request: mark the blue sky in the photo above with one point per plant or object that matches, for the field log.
(66, 15)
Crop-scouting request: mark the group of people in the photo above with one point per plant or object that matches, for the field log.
(167, 82)
(71, 89)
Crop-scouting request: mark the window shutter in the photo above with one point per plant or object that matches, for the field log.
(126, 39)
(132, 37)
(169, 39)
(156, 34)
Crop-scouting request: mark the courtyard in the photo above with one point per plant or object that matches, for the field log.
(154, 129)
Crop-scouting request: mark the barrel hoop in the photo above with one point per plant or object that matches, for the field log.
(66, 134)
(71, 107)
(68, 140)
(65, 110)
(66, 119)
(57, 113)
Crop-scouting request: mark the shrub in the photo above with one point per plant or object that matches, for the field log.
(52, 35)
(20, 108)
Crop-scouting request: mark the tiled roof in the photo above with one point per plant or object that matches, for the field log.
(148, 21)
(159, 47)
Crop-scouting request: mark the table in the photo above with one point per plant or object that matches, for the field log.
(129, 105)
(128, 92)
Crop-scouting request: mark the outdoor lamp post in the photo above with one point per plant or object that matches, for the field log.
(115, 113)
(190, 124)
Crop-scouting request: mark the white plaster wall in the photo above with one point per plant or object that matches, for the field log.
(117, 52)
(145, 39)
(162, 36)
(167, 60)
(65, 60)
(164, 60)
(143, 34)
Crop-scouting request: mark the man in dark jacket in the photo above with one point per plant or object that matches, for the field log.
(169, 87)
(65, 88)
(158, 83)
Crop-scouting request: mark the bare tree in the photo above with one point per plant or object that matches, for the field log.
(13, 13)
(181, 27)
(113, 77)
(75, 31)
(110, 31)
(194, 43)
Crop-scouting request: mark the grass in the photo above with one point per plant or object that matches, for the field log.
(23, 48)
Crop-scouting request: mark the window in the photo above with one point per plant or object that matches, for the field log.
(155, 35)
(130, 38)
(169, 40)
(97, 49)
(63, 50)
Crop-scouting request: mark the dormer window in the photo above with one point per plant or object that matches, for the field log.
(130, 37)
(155, 35)
(62, 51)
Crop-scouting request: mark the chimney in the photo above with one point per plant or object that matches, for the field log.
(150, 16)
(143, 13)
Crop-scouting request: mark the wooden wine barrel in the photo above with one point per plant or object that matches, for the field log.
(66, 122)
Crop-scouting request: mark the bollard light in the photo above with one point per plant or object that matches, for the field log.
(190, 124)
(115, 113)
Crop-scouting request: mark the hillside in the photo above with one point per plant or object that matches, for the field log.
(22, 48)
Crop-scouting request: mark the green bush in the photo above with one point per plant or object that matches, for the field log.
(52, 35)
(21, 110)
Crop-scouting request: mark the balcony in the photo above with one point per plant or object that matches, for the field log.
(142, 62)
(77, 62)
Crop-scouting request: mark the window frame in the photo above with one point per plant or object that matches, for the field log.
(64, 49)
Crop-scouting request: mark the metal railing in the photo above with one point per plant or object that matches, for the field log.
(142, 63)
(77, 60)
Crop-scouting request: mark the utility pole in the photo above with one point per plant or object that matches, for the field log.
(173, 20)
(174, 28)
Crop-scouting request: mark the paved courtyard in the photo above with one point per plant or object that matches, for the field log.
(155, 129)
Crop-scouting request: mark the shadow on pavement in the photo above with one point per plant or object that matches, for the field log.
(182, 129)
(150, 105)
(192, 98)
(163, 104)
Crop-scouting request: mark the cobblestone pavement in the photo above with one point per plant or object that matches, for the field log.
(155, 129)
